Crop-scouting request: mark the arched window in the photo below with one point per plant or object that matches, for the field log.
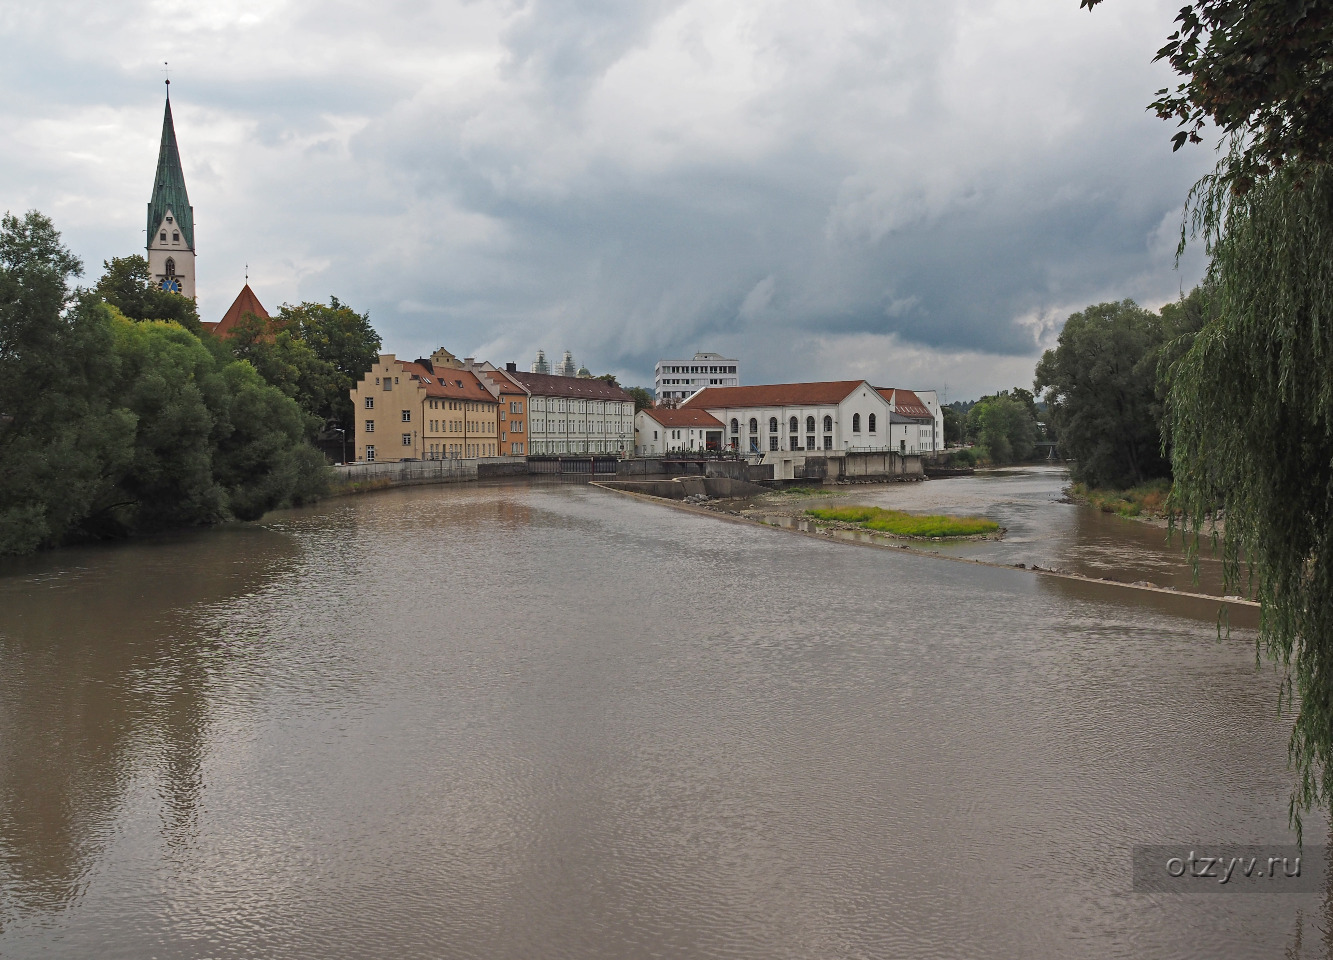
(809, 424)
(772, 424)
(754, 425)
(856, 423)
(735, 426)
(794, 425)
(870, 423)
(171, 267)
(828, 424)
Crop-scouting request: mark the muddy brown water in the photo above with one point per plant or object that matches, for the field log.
(550, 721)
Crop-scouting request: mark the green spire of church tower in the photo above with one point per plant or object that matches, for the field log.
(169, 187)
(170, 217)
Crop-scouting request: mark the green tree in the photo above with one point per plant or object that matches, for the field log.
(1251, 425)
(289, 363)
(1004, 427)
(954, 422)
(1259, 70)
(60, 440)
(343, 339)
(127, 285)
(1250, 402)
(1100, 385)
(643, 398)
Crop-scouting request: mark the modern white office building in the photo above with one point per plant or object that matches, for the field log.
(677, 380)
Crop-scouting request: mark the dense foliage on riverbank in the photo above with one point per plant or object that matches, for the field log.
(111, 426)
(902, 524)
(1249, 411)
(1145, 500)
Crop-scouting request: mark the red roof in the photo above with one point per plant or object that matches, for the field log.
(829, 393)
(549, 385)
(245, 302)
(905, 402)
(683, 418)
(447, 382)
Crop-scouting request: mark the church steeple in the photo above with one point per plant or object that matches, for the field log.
(170, 216)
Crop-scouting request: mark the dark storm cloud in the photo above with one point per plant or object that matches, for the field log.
(911, 190)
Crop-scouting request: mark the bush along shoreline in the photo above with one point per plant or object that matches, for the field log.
(899, 524)
(115, 426)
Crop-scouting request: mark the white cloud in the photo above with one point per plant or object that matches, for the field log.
(800, 185)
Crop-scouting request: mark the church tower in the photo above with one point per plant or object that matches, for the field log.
(171, 218)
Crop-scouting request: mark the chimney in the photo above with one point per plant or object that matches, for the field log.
(469, 362)
(511, 367)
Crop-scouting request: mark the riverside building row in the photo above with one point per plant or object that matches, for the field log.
(441, 407)
(804, 418)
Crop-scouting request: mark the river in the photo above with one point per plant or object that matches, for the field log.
(521, 721)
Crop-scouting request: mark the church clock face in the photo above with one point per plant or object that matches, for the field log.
(171, 284)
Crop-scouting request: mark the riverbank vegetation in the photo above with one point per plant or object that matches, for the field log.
(1247, 417)
(1147, 500)
(112, 425)
(901, 524)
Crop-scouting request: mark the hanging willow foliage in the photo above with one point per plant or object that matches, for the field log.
(1251, 426)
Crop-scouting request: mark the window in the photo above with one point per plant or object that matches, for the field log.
(754, 426)
(175, 236)
(388, 383)
(370, 453)
(856, 423)
(794, 426)
(772, 443)
(407, 416)
(370, 403)
(809, 424)
(171, 267)
(870, 423)
(828, 428)
(773, 426)
(407, 439)
(370, 426)
(164, 236)
(809, 442)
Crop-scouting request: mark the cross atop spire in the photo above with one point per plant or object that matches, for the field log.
(169, 186)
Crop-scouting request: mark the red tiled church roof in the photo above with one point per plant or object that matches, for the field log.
(245, 302)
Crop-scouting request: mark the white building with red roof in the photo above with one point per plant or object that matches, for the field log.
(661, 430)
(827, 417)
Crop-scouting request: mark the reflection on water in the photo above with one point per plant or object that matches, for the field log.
(551, 721)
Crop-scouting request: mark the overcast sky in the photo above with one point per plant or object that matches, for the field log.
(918, 193)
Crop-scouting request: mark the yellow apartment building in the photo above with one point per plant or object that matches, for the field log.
(418, 410)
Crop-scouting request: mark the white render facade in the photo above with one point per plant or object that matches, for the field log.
(678, 380)
(570, 425)
(817, 417)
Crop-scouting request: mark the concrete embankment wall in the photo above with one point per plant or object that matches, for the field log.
(876, 464)
(657, 467)
(414, 472)
(678, 488)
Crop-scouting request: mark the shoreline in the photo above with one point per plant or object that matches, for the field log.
(884, 542)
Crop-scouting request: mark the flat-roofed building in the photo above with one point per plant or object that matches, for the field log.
(677, 380)
(660, 430)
